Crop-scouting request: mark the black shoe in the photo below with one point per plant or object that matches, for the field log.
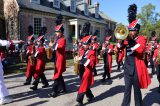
(79, 104)
(27, 83)
(118, 70)
(33, 88)
(34, 83)
(53, 94)
(45, 86)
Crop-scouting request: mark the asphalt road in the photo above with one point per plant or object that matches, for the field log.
(105, 95)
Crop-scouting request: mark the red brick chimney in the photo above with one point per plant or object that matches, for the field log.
(89, 2)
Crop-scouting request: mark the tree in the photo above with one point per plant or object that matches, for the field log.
(150, 20)
(11, 14)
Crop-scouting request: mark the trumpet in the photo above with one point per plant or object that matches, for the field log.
(121, 32)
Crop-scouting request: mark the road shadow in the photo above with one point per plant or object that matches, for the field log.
(151, 98)
(111, 92)
(38, 103)
(120, 76)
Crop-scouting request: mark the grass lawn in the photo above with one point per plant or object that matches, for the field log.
(21, 67)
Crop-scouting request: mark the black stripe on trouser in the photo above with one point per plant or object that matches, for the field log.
(81, 71)
(129, 81)
(158, 72)
(95, 71)
(43, 79)
(58, 85)
(81, 95)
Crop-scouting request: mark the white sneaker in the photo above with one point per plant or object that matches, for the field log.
(5, 100)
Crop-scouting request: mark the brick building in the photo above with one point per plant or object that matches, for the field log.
(17, 15)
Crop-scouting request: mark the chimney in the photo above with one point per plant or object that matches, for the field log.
(89, 2)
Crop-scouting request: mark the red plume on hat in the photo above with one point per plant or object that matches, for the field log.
(59, 25)
(108, 38)
(94, 37)
(86, 39)
(31, 37)
(40, 38)
(153, 38)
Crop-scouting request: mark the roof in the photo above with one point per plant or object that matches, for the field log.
(46, 7)
(106, 17)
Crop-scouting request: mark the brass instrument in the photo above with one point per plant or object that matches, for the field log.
(32, 60)
(32, 57)
(121, 32)
(102, 51)
(76, 65)
(49, 53)
(158, 57)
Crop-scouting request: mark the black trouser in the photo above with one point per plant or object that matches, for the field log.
(158, 72)
(43, 79)
(29, 79)
(152, 65)
(58, 85)
(81, 95)
(106, 72)
(129, 81)
(95, 71)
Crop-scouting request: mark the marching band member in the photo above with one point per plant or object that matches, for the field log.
(40, 56)
(89, 61)
(30, 60)
(152, 49)
(147, 54)
(156, 58)
(60, 59)
(94, 46)
(135, 70)
(119, 55)
(107, 49)
(81, 50)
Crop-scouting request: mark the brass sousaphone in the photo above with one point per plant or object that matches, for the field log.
(121, 32)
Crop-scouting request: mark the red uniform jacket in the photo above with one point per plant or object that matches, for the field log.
(88, 78)
(120, 53)
(30, 69)
(109, 55)
(40, 61)
(143, 76)
(60, 66)
(2, 55)
(155, 55)
(95, 47)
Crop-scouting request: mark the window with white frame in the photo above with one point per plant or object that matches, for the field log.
(73, 6)
(37, 25)
(86, 12)
(56, 3)
(35, 1)
(11, 27)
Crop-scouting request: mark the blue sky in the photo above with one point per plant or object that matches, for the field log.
(117, 9)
